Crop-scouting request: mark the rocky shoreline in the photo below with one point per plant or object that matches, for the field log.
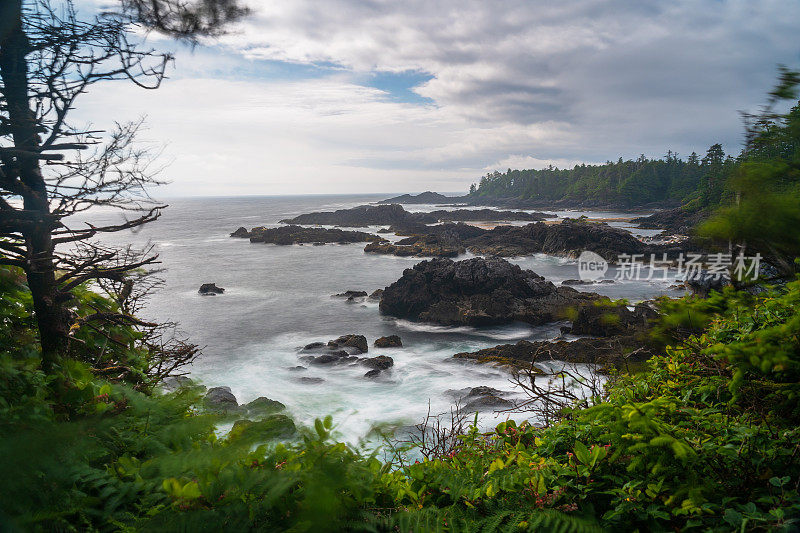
(394, 214)
(567, 239)
(292, 234)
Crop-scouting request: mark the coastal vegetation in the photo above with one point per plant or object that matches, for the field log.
(98, 433)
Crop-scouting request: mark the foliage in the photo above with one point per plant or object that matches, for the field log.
(766, 185)
(706, 439)
(695, 181)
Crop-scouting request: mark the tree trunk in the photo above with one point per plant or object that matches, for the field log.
(51, 314)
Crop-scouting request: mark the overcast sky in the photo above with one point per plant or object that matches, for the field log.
(384, 96)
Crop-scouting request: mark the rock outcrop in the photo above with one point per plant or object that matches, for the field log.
(417, 246)
(478, 292)
(268, 428)
(264, 405)
(220, 399)
(210, 289)
(676, 220)
(293, 234)
(392, 341)
(365, 215)
(377, 365)
(427, 197)
(606, 351)
(358, 342)
(606, 319)
(376, 294)
(569, 238)
(395, 215)
(381, 362)
(351, 295)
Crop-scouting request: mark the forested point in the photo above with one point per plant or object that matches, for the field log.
(695, 183)
(101, 431)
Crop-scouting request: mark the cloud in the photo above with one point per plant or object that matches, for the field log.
(374, 95)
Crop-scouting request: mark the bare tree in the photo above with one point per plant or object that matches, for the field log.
(438, 436)
(52, 170)
(563, 385)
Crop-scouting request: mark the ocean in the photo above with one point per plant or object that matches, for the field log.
(279, 298)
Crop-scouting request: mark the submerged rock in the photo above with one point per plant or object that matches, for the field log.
(210, 289)
(478, 292)
(310, 380)
(392, 341)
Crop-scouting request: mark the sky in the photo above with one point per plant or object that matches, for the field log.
(373, 96)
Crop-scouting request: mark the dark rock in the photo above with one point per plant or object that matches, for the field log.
(426, 197)
(350, 294)
(478, 292)
(365, 215)
(354, 341)
(375, 372)
(605, 318)
(323, 359)
(381, 362)
(297, 234)
(418, 246)
(376, 294)
(263, 404)
(297, 368)
(315, 346)
(241, 233)
(394, 214)
(601, 351)
(220, 399)
(173, 383)
(473, 392)
(392, 341)
(569, 238)
(210, 289)
(486, 403)
(576, 282)
(565, 330)
(676, 220)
